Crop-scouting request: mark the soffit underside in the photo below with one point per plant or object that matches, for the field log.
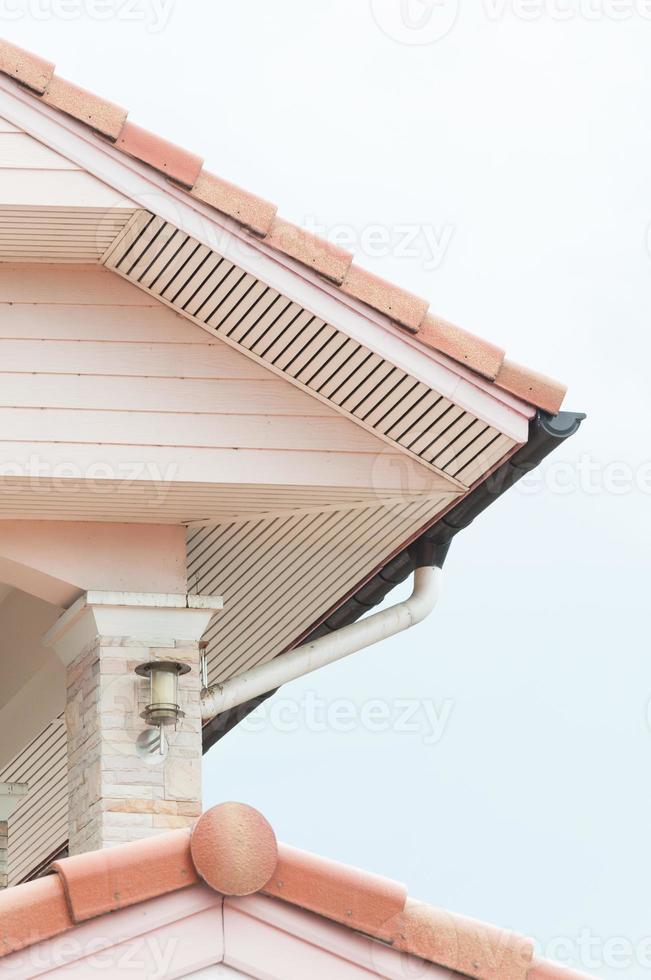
(242, 310)
(52, 210)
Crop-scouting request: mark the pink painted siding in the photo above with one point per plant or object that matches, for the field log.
(88, 360)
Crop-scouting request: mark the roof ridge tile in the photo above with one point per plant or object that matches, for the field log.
(232, 848)
(32, 913)
(473, 948)
(98, 882)
(364, 901)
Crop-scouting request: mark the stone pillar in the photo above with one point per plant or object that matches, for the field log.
(119, 787)
(10, 794)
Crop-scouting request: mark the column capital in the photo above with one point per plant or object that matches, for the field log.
(146, 618)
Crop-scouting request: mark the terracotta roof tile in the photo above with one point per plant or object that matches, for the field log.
(317, 253)
(531, 387)
(32, 913)
(234, 849)
(105, 117)
(104, 881)
(26, 68)
(361, 900)
(259, 216)
(479, 355)
(168, 158)
(394, 302)
(252, 211)
(465, 945)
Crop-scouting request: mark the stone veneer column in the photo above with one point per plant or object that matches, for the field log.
(118, 791)
(10, 793)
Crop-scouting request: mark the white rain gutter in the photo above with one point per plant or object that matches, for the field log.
(327, 649)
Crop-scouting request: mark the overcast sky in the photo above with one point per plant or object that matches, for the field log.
(494, 156)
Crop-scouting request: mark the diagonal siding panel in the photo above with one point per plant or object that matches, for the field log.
(279, 575)
(315, 355)
(39, 825)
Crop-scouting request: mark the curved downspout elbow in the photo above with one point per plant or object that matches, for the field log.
(327, 649)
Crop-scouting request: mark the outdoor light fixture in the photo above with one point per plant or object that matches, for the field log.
(163, 708)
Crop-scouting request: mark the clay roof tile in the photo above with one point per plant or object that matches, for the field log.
(251, 211)
(104, 881)
(312, 251)
(531, 387)
(466, 348)
(185, 168)
(396, 303)
(359, 899)
(32, 913)
(462, 944)
(103, 116)
(234, 849)
(172, 160)
(25, 67)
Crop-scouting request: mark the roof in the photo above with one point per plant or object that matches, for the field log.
(234, 851)
(259, 217)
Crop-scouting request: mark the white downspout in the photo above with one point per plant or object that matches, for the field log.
(327, 649)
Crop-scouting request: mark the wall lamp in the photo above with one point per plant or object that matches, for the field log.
(163, 708)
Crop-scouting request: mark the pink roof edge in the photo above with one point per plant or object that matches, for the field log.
(258, 216)
(233, 849)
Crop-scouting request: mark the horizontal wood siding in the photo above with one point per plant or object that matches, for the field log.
(262, 430)
(51, 209)
(95, 374)
(33, 175)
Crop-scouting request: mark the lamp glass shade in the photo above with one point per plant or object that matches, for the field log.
(164, 687)
(163, 707)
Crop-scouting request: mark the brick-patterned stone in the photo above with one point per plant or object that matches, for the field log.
(116, 795)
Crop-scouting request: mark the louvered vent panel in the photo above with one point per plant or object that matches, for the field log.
(39, 824)
(360, 383)
(58, 234)
(290, 570)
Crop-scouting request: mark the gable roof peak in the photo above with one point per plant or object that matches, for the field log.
(259, 217)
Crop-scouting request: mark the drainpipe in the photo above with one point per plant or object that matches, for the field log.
(546, 433)
(328, 649)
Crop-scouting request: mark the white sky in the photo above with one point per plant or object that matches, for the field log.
(522, 146)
